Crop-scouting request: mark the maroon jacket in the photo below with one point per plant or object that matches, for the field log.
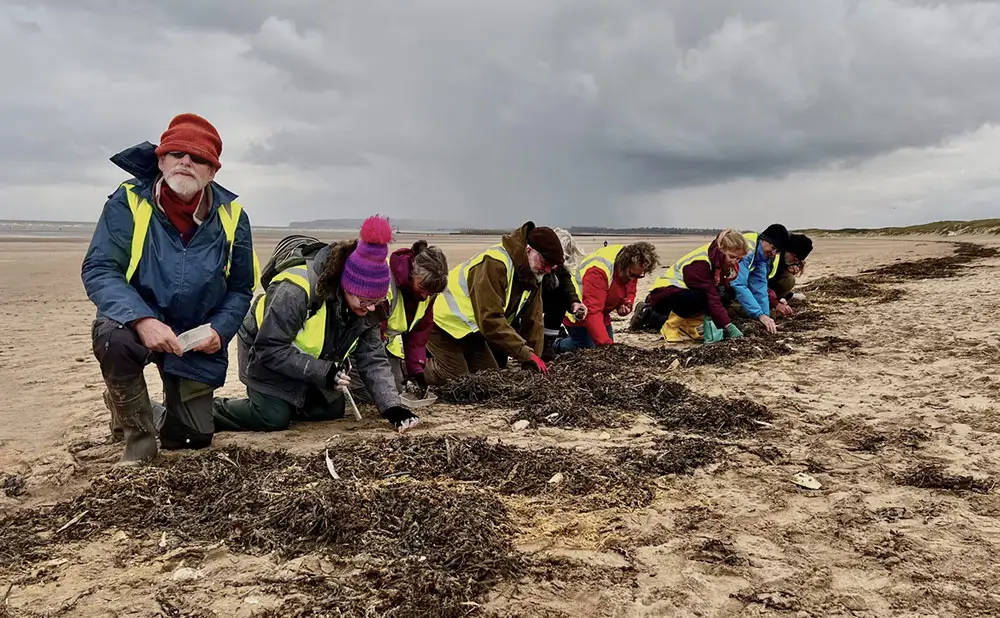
(414, 341)
(702, 276)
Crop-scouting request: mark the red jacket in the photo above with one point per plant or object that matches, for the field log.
(414, 341)
(601, 300)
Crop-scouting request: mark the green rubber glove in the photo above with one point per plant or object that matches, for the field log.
(733, 332)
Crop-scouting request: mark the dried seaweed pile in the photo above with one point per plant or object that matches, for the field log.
(13, 486)
(934, 268)
(830, 344)
(670, 455)
(497, 466)
(599, 388)
(870, 441)
(932, 476)
(837, 287)
(259, 502)
(717, 551)
(621, 358)
(803, 321)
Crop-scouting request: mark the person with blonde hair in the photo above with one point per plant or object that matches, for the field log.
(686, 296)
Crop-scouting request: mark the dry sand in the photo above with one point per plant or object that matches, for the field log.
(735, 538)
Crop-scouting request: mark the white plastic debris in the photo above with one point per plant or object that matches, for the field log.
(805, 481)
(556, 478)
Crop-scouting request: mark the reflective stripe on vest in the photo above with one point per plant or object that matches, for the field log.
(312, 335)
(674, 276)
(453, 311)
(602, 259)
(752, 238)
(396, 324)
(142, 212)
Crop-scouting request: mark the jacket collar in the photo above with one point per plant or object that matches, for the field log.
(141, 162)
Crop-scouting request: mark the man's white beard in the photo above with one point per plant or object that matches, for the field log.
(184, 186)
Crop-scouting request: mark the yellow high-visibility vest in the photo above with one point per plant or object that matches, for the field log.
(453, 310)
(142, 212)
(312, 335)
(674, 276)
(396, 324)
(752, 238)
(604, 260)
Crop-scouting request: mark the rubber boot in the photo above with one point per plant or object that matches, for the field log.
(548, 354)
(117, 433)
(638, 320)
(133, 412)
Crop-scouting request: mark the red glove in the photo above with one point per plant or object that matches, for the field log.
(540, 364)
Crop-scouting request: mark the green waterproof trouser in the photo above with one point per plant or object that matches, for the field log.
(260, 412)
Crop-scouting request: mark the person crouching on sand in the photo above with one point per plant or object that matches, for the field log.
(419, 274)
(297, 338)
(686, 296)
(791, 265)
(172, 251)
(608, 278)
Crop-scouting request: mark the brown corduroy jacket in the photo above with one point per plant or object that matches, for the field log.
(487, 290)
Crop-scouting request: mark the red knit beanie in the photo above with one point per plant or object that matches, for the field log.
(194, 135)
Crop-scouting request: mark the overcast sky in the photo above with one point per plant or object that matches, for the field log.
(709, 113)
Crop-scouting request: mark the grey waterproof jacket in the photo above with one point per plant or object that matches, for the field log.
(270, 364)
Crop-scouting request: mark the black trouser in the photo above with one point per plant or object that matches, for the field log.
(685, 303)
(555, 305)
(186, 410)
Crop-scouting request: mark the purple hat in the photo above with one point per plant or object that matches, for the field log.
(366, 273)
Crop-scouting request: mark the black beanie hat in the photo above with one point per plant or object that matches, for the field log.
(799, 244)
(777, 235)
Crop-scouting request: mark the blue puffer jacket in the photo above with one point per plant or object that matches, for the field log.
(750, 284)
(183, 287)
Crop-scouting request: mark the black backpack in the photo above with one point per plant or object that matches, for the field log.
(293, 250)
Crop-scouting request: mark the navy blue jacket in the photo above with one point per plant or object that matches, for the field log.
(183, 287)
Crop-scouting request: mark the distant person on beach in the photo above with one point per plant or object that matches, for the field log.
(486, 295)
(791, 265)
(683, 299)
(748, 293)
(172, 251)
(320, 313)
(607, 281)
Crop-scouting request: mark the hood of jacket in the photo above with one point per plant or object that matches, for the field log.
(401, 267)
(142, 163)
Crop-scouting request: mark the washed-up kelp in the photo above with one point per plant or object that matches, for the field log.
(933, 476)
(955, 265)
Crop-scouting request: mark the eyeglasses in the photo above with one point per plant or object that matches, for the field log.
(177, 154)
(370, 302)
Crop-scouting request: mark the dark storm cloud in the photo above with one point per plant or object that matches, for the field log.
(504, 109)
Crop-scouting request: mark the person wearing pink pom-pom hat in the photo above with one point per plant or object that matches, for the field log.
(321, 312)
